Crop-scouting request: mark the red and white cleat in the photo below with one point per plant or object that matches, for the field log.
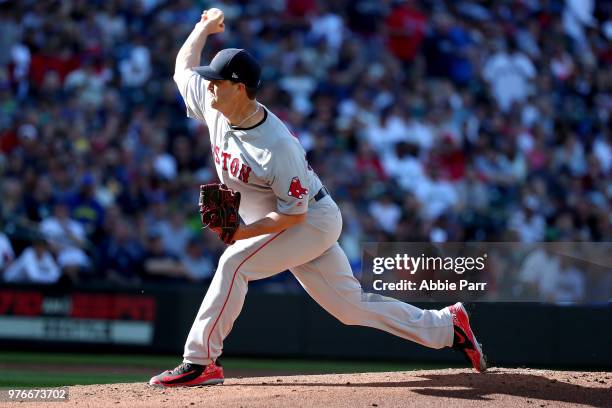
(464, 338)
(188, 375)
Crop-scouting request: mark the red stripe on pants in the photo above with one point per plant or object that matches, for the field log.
(230, 290)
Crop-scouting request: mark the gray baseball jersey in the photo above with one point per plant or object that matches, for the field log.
(265, 162)
(268, 166)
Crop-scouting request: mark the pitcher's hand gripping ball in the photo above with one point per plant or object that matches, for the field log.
(219, 206)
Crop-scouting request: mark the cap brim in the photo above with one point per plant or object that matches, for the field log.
(207, 72)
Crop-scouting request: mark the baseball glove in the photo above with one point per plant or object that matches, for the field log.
(219, 206)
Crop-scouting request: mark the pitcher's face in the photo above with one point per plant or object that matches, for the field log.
(223, 94)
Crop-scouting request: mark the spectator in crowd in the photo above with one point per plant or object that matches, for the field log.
(35, 265)
(175, 233)
(11, 205)
(527, 223)
(38, 203)
(67, 241)
(158, 263)
(436, 194)
(198, 265)
(538, 270)
(7, 255)
(121, 254)
(86, 209)
(448, 50)
(474, 196)
(386, 213)
(568, 286)
(509, 73)
(405, 29)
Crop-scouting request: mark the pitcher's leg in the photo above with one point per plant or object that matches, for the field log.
(330, 281)
(224, 300)
(246, 260)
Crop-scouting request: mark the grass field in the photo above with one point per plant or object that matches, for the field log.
(43, 369)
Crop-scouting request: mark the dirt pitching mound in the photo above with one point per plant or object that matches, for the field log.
(438, 388)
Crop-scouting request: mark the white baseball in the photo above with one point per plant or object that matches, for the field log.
(214, 13)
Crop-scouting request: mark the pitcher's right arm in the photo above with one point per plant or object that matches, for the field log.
(191, 85)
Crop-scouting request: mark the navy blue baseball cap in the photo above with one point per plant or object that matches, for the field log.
(233, 64)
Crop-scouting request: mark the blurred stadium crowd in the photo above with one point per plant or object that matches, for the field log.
(427, 120)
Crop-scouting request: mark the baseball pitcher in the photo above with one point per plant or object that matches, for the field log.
(276, 215)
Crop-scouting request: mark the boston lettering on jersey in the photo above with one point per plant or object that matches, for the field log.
(233, 165)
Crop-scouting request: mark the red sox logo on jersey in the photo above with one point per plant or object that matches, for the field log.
(296, 190)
